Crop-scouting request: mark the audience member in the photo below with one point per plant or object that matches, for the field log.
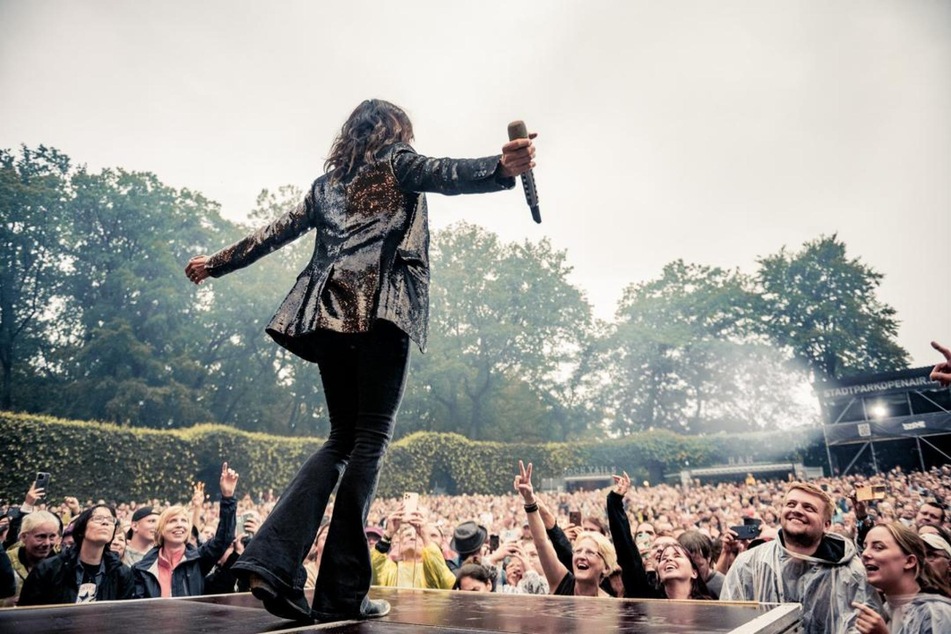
(700, 549)
(118, 543)
(916, 601)
(679, 575)
(39, 532)
(938, 552)
(173, 568)
(88, 571)
(417, 561)
(473, 578)
(805, 565)
(140, 537)
(593, 557)
(930, 513)
(467, 541)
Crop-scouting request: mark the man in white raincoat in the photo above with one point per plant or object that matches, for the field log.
(806, 565)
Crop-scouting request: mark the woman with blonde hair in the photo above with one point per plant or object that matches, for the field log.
(174, 567)
(593, 556)
(916, 601)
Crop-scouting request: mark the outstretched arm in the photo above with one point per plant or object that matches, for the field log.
(418, 173)
(636, 584)
(554, 570)
(255, 246)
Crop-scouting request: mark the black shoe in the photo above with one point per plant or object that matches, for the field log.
(283, 606)
(375, 608)
(372, 609)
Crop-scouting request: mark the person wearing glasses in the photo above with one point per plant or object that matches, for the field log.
(88, 571)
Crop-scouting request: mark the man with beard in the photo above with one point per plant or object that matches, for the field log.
(806, 565)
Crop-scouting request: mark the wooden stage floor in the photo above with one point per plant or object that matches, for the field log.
(413, 611)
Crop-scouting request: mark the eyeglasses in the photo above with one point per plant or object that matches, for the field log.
(105, 520)
(587, 552)
(936, 554)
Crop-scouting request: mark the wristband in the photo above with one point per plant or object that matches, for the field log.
(531, 508)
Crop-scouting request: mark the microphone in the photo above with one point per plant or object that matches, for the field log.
(517, 130)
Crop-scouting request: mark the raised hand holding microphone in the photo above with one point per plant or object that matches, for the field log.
(519, 161)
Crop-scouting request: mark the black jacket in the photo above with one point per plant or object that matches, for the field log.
(371, 256)
(637, 583)
(54, 580)
(188, 578)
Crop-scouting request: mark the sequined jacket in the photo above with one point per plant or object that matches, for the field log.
(371, 254)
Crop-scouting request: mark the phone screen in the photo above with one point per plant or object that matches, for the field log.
(493, 542)
(574, 517)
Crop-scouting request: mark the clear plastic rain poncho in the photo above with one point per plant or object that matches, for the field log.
(825, 584)
(924, 614)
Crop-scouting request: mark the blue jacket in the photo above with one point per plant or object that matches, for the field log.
(188, 578)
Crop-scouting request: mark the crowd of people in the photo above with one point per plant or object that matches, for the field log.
(866, 554)
(854, 563)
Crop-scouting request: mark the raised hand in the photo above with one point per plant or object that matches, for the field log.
(622, 483)
(942, 371)
(523, 482)
(34, 494)
(198, 494)
(73, 505)
(228, 481)
(393, 522)
(251, 525)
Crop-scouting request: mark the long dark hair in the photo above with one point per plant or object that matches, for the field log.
(373, 125)
(79, 526)
(698, 587)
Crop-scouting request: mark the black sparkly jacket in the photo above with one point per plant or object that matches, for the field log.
(371, 254)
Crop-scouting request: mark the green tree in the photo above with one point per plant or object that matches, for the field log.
(507, 331)
(33, 191)
(129, 236)
(679, 350)
(822, 306)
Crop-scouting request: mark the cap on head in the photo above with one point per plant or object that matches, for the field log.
(142, 512)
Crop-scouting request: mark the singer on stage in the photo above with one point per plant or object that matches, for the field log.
(352, 311)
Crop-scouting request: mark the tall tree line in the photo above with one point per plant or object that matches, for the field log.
(97, 321)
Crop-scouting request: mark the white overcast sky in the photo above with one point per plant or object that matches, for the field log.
(715, 132)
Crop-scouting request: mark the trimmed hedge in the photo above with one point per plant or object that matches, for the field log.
(101, 460)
